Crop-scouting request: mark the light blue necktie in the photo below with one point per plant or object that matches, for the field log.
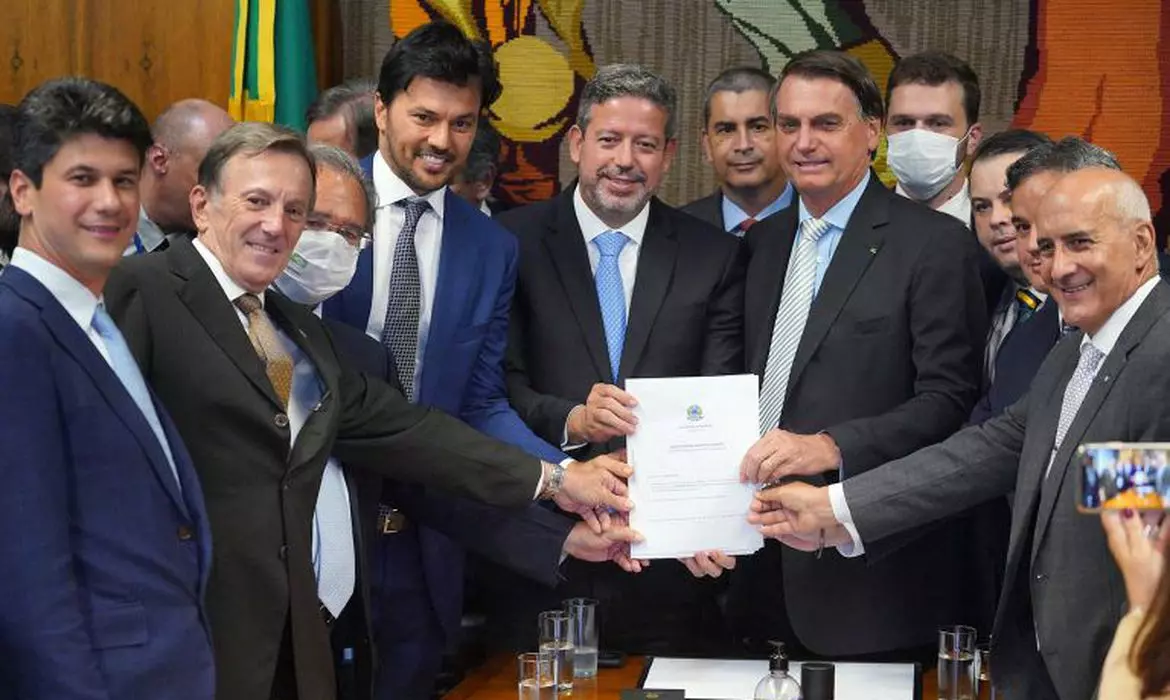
(124, 365)
(611, 294)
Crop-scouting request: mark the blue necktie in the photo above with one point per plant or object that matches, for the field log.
(123, 364)
(611, 294)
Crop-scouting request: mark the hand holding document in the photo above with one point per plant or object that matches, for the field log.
(691, 437)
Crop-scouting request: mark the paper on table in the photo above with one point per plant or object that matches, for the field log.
(692, 434)
(728, 678)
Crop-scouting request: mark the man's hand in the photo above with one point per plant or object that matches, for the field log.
(611, 545)
(606, 414)
(711, 564)
(781, 453)
(598, 483)
(796, 514)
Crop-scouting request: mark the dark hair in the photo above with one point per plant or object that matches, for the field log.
(935, 68)
(838, 66)
(439, 51)
(354, 100)
(1010, 141)
(1065, 156)
(485, 152)
(737, 80)
(9, 221)
(627, 80)
(1150, 657)
(58, 110)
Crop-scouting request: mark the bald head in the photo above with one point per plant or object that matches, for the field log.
(1094, 228)
(183, 133)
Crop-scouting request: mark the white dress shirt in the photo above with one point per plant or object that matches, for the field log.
(75, 297)
(304, 398)
(958, 206)
(428, 241)
(1105, 338)
(592, 227)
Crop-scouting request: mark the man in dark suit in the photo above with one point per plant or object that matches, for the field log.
(1061, 601)
(256, 388)
(739, 141)
(614, 284)
(459, 267)
(864, 318)
(106, 545)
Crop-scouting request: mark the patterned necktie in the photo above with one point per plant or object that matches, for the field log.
(277, 362)
(1078, 386)
(126, 368)
(1026, 304)
(400, 330)
(611, 294)
(795, 301)
(742, 227)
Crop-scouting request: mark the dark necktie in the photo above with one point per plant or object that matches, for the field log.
(400, 330)
(742, 227)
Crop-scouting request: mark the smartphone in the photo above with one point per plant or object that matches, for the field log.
(1117, 475)
(611, 659)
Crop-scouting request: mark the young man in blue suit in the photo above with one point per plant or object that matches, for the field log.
(436, 289)
(106, 544)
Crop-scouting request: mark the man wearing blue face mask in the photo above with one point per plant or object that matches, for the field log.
(932, 128)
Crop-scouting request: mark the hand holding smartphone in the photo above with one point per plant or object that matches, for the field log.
(1121, 475)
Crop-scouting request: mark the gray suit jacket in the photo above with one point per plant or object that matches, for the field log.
(1061, 585)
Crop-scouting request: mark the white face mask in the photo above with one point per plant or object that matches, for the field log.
(923, 161)
(320, 266)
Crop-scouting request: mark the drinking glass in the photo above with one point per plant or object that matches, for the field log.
(556, 641)
(535, 679)
(583, 635)
(956, 663)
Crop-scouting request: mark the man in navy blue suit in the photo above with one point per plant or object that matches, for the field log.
(436, 289)
(106, 547)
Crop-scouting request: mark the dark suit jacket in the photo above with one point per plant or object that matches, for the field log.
(686, 319)
(261, 493)
(106, 559)
(1018, 359)
(1059, 571)
(709, 209)
(889, 362)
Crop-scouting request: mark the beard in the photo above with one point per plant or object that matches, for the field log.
(609, 205)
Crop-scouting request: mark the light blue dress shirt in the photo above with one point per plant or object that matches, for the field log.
(838, 218)
(733, 216)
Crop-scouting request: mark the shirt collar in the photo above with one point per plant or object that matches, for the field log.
(149, 233)
(79, 302)
(839, 214)
(733, 215)
(592, 226)
(1105, 338)
(483, 207)
(226, 283)
(958, 206)
(391, 189)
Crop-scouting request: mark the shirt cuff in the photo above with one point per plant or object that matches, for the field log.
(565, 446)
(843, 516)
(539, 483)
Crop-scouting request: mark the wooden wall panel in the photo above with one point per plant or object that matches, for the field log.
(38, 39)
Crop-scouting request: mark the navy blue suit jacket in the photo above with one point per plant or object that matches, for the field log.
(106, 560)
(1018, 360)
(462, 369)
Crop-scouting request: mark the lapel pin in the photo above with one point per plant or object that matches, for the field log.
(873, 250)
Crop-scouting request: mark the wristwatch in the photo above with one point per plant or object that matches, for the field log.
(554, 478)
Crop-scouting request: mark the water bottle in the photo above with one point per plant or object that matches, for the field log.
(777, 685)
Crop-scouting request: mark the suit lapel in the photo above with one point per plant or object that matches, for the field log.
(457, 267)
(656, 263)
(859, 244)
(566, 246)
(1112, 366)
(770, 244)
(205, 298)
(74, 341)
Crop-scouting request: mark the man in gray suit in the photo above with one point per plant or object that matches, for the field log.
(1060, 601)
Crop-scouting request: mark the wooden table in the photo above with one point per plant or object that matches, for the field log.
(496, 680)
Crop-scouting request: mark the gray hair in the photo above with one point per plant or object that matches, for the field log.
(1130, 202)
(252, 139)
(737, 80)
(339, 161)
(627, 80)
(1065, 156)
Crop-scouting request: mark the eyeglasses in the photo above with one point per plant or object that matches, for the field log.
(352, 234)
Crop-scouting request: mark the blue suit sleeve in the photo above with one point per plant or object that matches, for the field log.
(485, 405)
(48, 654)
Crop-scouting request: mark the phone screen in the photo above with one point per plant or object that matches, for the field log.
(1119, 475)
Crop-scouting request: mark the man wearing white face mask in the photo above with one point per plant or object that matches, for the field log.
(932, 128)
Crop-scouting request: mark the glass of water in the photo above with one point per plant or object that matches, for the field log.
(583, 635)
(535, 677)
(956, 663)
(983, 672)
(557, 641)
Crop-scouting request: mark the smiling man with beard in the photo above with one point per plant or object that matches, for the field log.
(615, 284)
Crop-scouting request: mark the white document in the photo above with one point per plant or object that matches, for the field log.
(716, 679)
(692, 435)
